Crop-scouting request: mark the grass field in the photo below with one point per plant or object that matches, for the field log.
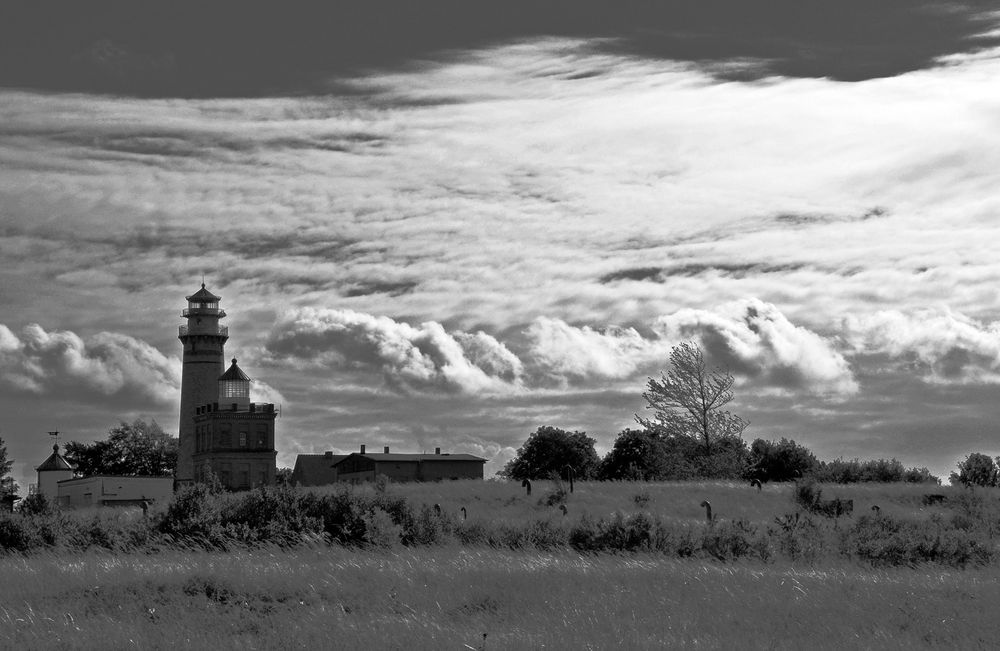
(448, 598)
(447, 595)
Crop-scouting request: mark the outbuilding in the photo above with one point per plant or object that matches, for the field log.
(315, 469)
(366, 466)
(112, 490)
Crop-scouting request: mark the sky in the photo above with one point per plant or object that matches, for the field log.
(447, 223)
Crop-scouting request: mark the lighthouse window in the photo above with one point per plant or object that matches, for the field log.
(243, 439)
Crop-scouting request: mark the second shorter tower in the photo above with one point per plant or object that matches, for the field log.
(234, 437)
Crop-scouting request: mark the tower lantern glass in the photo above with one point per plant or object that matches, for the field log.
(234, 386)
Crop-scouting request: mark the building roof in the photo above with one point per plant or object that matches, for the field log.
(90, 477)
(55, 461)
(203, 296)
(315, 469)
(234, 374)
(393, 457)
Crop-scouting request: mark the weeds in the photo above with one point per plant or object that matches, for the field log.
(957, 532)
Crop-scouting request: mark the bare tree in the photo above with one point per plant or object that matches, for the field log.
(689, 398)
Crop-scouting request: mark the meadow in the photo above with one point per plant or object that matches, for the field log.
(629, 565)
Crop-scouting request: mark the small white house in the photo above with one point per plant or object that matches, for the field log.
(52, 471)
(112, 490)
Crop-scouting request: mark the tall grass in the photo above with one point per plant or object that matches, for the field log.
(767, 525)
(448, 598)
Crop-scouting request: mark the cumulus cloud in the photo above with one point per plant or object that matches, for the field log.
(948, 346)
(751, 337)
(106, 364)
(578, 353)
(426, 357)
(756, 340)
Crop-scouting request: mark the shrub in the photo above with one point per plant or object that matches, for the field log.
(635, 532)
(429, 528)
(783, 460)
(14, 535)
(730, 540)
(381, 531)
(920, 476)
(279, 515)
(872, 470)
(798, 537)
(556, 496)
(192, 515)
(807, 494)
(36, 504)
(886, 541)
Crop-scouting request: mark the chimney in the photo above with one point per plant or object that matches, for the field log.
(437, 450)
(362, 448)
(385, 450)
(328, 454)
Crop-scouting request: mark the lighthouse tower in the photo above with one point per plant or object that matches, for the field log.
(204, 361)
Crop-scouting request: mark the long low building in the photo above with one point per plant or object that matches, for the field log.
(105, 490)
(329, 468)
(366, 466)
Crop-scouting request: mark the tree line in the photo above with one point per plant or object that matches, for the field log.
(691, 435)
(652, 455)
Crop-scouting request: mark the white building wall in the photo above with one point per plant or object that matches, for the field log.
(48, 480)
(110, 490)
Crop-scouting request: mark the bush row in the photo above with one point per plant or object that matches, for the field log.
(288, 517)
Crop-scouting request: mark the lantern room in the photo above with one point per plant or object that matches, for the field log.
(203, 303)
(234, 387)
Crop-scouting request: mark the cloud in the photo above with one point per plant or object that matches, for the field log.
(106, 364)
(942, 345)
(751, 337)
(560, 350)
(756, 340)
(423, 358)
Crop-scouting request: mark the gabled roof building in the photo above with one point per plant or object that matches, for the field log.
(52, 471)
(366, 466)
(315, 469)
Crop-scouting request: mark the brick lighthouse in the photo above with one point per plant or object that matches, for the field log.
(222, 433)
(204, 361)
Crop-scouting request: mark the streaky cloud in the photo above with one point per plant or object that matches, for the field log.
(939, 345)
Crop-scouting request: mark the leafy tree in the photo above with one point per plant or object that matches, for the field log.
(283, 477)
(782, 460)
(7, 485)
(136, 448)
(689, 398)
(726, 460)
(977, 470)
(548, 451)
(637, 454)
(657, 455)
